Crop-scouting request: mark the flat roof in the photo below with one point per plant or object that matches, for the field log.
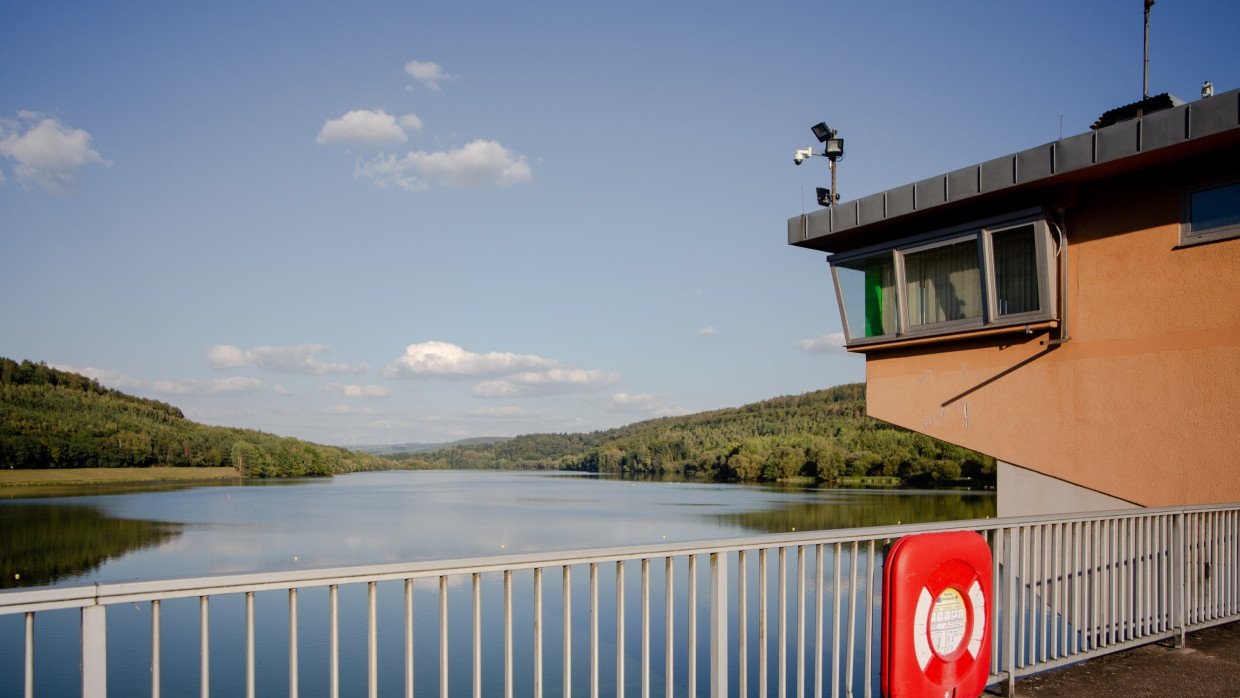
(1015, 181)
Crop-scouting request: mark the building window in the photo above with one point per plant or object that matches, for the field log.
(943, 282)
(1211, 213)
(869, 291)
(946, 282)
(1017, 287)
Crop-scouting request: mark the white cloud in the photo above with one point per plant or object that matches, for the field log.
(411, 122)
(343, 409)
(106, 377)
(641, 404)
(709, 331)
(479, 163)
(428, 73)
(365, 127)
(358, 391)
(500, 412)
(516, 374)
(236, 385)
(291, 359)
(48, 153)
(444, 360)
(557, 380)
(823, 344)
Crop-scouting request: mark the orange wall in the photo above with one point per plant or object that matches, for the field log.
(1142, 404)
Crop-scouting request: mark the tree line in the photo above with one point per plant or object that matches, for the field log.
(56, 419)
(823, 436)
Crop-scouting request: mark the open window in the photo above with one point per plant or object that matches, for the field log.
(946, 282)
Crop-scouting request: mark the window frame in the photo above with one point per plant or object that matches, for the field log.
(1223, 232)
(982, 232)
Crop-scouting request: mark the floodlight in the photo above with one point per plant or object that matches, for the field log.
(834, 148)
(825, 198)
(822, 132)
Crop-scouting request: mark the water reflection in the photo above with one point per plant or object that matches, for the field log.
(371, 518)
(43, 543)
(121, 533)
(831, 509)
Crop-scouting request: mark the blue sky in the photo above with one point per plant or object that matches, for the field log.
(388, 222)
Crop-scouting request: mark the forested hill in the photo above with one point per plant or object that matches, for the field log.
(55, 419)
(824, 436)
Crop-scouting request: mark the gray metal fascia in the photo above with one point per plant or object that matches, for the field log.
(871, 209)
(1169, 127)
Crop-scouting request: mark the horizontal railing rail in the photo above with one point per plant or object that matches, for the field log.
(1066, 588)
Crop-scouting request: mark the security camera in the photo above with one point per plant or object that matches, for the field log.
(802, 154)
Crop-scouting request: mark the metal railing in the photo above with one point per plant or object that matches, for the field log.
(1066, 588)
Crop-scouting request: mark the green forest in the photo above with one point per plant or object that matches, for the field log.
(56, 419)
(823, 436)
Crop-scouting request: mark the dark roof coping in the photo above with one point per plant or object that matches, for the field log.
(1172, 130)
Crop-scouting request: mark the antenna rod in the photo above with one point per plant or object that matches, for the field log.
(1145, 94)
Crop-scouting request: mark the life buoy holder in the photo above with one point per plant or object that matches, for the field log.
(936, 608)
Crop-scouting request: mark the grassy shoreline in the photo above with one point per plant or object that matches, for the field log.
(96, 476)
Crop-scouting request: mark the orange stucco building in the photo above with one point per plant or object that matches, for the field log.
(1072, 310)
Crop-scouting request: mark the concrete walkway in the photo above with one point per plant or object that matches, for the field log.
(1207, 667)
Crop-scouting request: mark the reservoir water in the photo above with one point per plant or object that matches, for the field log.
(104, 534)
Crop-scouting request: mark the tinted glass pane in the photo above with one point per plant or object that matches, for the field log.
(869, 290)
(1016, 270)
(1215, 208)
(944, 283)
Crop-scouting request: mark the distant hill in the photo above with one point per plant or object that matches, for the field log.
(56, 419)
(385, 449)
(823, 436)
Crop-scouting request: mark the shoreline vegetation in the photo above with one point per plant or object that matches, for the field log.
(100, 476)
(59, 427)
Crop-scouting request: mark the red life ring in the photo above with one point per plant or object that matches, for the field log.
(936, 611)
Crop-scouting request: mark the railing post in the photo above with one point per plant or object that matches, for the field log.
(29, 688)
(718, 625)
(94, 652)
(204, 647)
(1010, 581)
(1179, 579)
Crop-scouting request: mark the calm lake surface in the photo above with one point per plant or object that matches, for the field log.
(124, 533)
